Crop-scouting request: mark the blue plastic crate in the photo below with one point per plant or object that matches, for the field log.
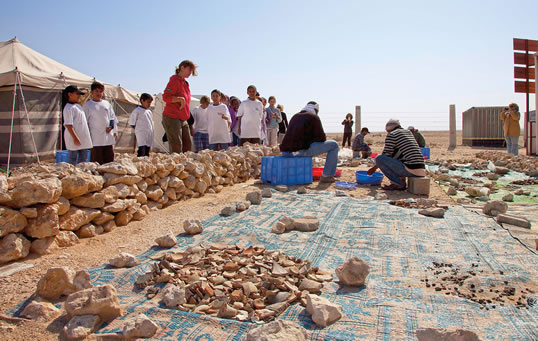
(279, 170)
(425, 152)
(62, 156)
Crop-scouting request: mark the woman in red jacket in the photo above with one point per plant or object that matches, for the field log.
(177, 97)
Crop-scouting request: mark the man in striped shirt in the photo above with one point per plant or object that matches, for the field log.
(401, 157)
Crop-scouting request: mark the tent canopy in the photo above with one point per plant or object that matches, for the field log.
(39, 71)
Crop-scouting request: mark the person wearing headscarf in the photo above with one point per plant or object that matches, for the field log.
(305, 137)
(401, 157)
(510, 115)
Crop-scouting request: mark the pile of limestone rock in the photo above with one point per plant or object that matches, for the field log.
(47, 206)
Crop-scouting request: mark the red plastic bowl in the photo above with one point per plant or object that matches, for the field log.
(317, 172)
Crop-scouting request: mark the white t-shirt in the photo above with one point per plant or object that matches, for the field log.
(99, 115)
(200, 119)
(74, 115)
(142, 119)
(251, 113)
(217, 126)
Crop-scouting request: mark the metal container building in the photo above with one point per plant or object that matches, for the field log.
(482, 127)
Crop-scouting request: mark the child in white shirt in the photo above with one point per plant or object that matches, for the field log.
(76, 135)
(201, 134)
(142, 121)
(219, 122)
(249, 118)
(102, 124)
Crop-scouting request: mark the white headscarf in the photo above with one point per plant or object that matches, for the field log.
(311, 108)
(391, 124)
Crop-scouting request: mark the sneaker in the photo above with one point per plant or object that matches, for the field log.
(327, 179)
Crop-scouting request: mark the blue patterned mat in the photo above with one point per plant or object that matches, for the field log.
(397, 243)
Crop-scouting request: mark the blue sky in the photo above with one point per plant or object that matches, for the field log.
(406, 60)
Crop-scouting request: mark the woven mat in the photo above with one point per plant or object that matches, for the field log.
(397, 243)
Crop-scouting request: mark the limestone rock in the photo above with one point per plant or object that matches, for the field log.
(340, 193)
(120, 205)
(74, 186)
(44, 246)
(40, 311)
(431, 334)
(77, 217)
(82, 280)
(436, 212)
(353, 272)
(123, 218)
(46, 224)
(242, 205)
(289, 222)
(119, 167)
(87, 231)
(452, 191)
(103, 218)
(254, 197)
(227, 211)
(493, 176)
(13, 246)
(11, 221)
(277, 331)
(173, 296)
(508, 197)
(56, 282)
(167, 240)
(476, 191)
(306, 224)
(282, 188)
(322, 311)
(501, 170)
(301, 190)
(81, 326)
(28, 212)
(102, 301)
(63, 206)
(66, 239)
(92, 200)
(267, 193)
(381, 196)
(109, 226)
(495, 205)
(192, 226)
(139, 327)
(278, 228)
(36, 191)
(124, 260)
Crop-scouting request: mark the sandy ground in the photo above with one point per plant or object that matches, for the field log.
(139, 236)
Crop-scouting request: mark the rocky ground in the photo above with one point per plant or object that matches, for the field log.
(138, 236)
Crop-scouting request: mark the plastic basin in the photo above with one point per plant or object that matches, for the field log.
(317, 172)
(365, 179)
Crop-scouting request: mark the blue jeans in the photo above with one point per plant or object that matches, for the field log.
(512, 144)
(393, 169)
(77, 156)
(318, 148)
(236, 140)
(219, 146)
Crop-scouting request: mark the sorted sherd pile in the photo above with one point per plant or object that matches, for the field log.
(233, 282)
(448, 279)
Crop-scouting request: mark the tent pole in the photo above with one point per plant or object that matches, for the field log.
(11, 130)
(27, 116)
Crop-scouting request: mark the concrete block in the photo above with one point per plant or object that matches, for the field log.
(513, 220)
(419, 185)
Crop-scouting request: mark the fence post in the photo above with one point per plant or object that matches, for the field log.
(357, 119)
(452, 127)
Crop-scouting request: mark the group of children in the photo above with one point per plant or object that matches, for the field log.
(215, 125)
(93, 128)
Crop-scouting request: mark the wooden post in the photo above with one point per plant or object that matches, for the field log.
(452, 127)
(357, 119)
(535, 105)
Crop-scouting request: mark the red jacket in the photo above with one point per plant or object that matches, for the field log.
(179, 87)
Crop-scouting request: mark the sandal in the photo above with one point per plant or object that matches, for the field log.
(393, 187)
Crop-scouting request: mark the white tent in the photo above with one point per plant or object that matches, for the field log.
(30, 104)
(158, 107)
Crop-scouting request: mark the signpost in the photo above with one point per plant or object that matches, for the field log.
(528, 74)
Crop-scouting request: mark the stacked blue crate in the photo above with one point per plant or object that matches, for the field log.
(425, 152)
(62, 156)
(279, 170)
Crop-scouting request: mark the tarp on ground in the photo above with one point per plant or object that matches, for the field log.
(397, 243)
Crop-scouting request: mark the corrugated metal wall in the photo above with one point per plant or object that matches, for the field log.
(482, 124)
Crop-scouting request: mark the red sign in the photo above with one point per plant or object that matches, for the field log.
(531, 45)
(521, 87)
(519, 59)
(523, 72)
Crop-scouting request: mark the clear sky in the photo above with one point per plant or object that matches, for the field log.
(400, 59)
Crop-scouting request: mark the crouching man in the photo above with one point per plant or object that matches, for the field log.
(401, 157)
(305, 137)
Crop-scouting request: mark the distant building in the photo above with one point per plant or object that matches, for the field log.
(482, 127)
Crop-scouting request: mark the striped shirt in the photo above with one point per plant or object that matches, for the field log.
(401, 145)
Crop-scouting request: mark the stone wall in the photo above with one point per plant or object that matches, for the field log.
(44, 207)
